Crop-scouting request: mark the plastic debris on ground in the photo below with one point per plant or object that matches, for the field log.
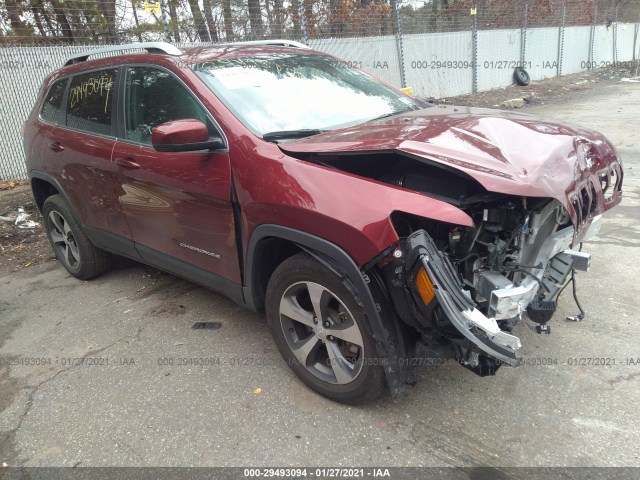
(19, 219)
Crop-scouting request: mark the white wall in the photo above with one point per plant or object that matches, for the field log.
(377, 55)
(498, 53)
(576, 49)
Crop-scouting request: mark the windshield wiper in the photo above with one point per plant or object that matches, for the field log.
(404, 110)
(285, 134)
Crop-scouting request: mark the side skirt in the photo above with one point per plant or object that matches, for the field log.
(140, 253)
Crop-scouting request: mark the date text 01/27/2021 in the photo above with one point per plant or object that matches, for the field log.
(324, 472)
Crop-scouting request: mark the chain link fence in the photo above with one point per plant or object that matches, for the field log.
(440, 48)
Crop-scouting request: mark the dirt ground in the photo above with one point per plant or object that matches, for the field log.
(21, 248)
(548, 91)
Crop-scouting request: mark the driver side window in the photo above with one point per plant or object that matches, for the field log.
(153, 97)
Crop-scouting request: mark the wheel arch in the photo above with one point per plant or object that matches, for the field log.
(271, 244)
(288, 242)
(43, 186)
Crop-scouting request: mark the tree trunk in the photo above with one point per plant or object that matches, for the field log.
(173, 11)
(108, 10)
(211, 24)
(390, 25)
(36, 17)
(295, 18)
(47, 20)
(310, 17)
(434, 15)
(17, 25)
(135, 17)
(228, 20)
(198, 21)
(334, 22)
(255, 18)
(278, 19)
(61, 18)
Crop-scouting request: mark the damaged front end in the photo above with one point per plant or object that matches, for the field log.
(464, 289)
(532, 190)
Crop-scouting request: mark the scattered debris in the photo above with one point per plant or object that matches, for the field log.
(19, 218)
(513, 103)
(23, 241)
(29, 224)
(11, 184)
(206, 325)
(630, 80)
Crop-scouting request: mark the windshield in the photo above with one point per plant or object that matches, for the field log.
(299, 92)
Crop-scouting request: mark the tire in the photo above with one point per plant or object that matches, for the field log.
(335, 357)
(521, 77)
(69, 243)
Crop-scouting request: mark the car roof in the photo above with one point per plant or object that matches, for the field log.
(160, 53)
(202, 54)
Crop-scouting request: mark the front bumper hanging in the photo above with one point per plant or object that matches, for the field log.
(458, 306)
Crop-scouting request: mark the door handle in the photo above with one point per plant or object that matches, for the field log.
(56, 147)
(127, 163)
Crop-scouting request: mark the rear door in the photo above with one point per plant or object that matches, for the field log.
(178, 205)
(78, 129)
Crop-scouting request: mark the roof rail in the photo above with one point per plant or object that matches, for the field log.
(151, 47)
(279, 43)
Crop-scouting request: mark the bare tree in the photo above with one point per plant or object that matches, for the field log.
(227, 14)
(211, 23)
(295, 18)
(255, 18)
(135, 17)
(198, 21)
(108, 10)
(173, 11)
(61, 18)
(13, 12)
(275, 14)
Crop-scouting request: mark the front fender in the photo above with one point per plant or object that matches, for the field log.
(379, 319)
(345, 209)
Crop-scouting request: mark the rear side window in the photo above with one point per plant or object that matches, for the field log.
(90, 101)
(53, 101)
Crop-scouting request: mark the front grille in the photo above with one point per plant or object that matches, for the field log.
(585, 201)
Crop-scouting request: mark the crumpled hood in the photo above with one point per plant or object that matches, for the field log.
(506, 152)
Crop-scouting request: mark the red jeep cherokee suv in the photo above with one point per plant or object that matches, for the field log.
(373, 228)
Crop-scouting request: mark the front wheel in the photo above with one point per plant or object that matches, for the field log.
(318, 327)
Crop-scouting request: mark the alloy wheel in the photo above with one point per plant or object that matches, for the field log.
(321, 332)
(63, 240)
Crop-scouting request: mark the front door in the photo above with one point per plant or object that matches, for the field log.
(178, 205)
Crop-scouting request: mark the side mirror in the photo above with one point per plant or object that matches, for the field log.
(186, 135)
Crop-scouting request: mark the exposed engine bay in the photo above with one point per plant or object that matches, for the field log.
(465, 288)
